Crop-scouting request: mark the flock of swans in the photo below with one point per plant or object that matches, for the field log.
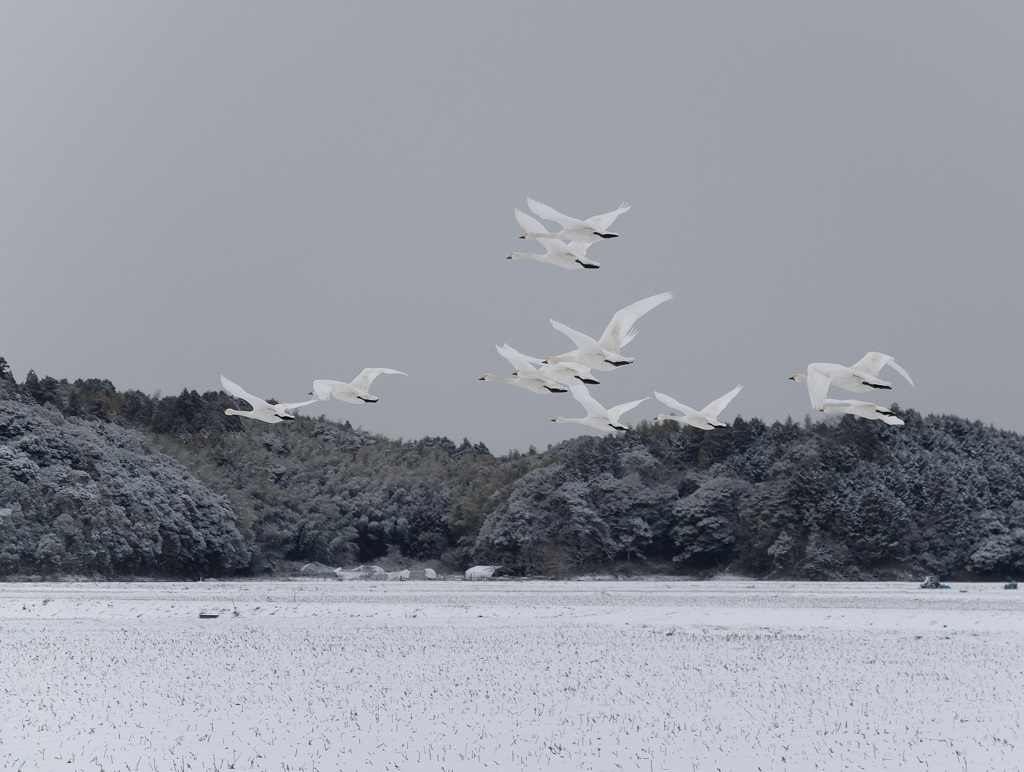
(573, 371)
(354, 392)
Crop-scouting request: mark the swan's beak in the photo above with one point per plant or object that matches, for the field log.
(523, 236)
(509, 257)
(482, 378)
(792, 377)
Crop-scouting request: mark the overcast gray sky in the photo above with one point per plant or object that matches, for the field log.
(280, 192)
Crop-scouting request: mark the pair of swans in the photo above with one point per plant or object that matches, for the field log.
(534, 375)
(609, 419)
(354, 392)
(579, 234)
(858, 377)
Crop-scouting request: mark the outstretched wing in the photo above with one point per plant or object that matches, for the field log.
(529, 224)
(235, 390)
(716, 407)
(601, 222)
(620, 330)
(583, 342)
(614, 413)
(545, 211)
(818, 381)
(873, 361)
(294, 405)
(582, 395)
(668, 401)
(365, 378)
(518, 360)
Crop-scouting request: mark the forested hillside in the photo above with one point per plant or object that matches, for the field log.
(98, 482)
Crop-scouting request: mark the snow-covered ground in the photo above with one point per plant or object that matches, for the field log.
(327, 676)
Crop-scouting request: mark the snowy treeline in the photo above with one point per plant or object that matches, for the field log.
(86, 467)
(88, 497)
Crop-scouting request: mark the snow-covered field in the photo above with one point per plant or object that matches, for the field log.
(455, 675)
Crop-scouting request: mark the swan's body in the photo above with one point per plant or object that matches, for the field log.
(536, 385)
(261, 409)
(859, 377)
(572, 255)
(605, 353)
(867, 410)
(702, 419)
(354, 392)
(587, 231)
(598, 417)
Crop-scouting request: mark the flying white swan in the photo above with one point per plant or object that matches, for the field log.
(702, 419)
(261, 409)
(867, 410)
(588, 231)
(598, 417)
(536, 385)
(572, 255)
(605, 353)
(861, 376)
(355, 392)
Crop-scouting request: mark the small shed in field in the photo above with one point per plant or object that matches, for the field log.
(317, 570)
(362, 572)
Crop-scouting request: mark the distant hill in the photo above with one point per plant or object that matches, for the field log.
(98, 482)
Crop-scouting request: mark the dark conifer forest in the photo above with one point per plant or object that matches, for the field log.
(96, 482)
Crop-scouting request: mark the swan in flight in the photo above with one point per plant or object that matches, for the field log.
(588, 231)
(861, 376)
(598, 417)
(261, 409)
(536, 385)
(605, 353)
(572, 255)
(867, 410)
(355, 392)
(702, 419)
